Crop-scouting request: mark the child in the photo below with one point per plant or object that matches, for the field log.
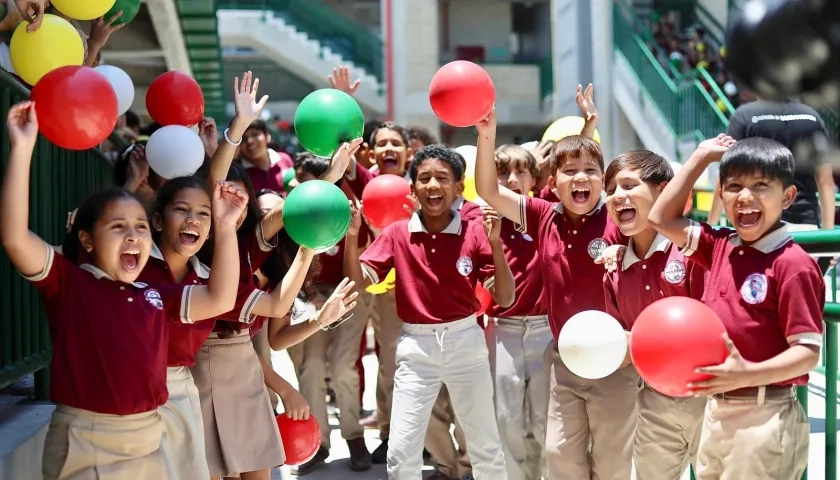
(438, 255)
(105, 326)
(568, 237)
(668, 430)
(517, 336)
(770, 296)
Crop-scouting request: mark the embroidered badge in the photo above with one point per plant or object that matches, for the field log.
(596, 247)
(527, 237)
(153, 297)
(675, 271)
(464, 265)
(754, 289)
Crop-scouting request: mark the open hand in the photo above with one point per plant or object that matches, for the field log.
(22, 125)
(355, 220)
(586, 103)
(414, 206)
(492, 223)
(611, 257)
(229, 202)
(340, 80)
(487, 126)
(209, 134)
(714, 148)
(101, 30)
(341, 160)
(542, 153)
(734, 373)
(245, 97)
(339, 304)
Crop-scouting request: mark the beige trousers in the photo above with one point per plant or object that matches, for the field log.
(590, 424)
(387, 328)
(452, 461)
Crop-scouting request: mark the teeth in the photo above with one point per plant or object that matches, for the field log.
(435, 197)
(132, 252)
(190, 232)
(580, 190)
(623, 208)
(747, 211)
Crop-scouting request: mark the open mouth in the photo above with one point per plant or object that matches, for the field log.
(189, 236)
(390, 162)
(434, 200)
(130, 259)
(747, 217)
(626, 213)
(580, 195)
(516, 190)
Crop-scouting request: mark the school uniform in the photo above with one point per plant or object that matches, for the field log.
(517, 337)
(441, 341)
(580, 411)
(770, 296)
(109, 337)
(183, 445)
(668, 430)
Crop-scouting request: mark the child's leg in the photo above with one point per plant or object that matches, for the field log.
(342, 366)
(611, 406)
(661, 446)
(567, 423)
(311, 375)
(387, 328)
(747, 436)
(537, 336)
(416, 386)
(467, 376)
(438, 439)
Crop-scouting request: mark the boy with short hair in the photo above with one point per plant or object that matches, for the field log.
(668, 431)
(590, 423)
(770, 296)
(438, 258)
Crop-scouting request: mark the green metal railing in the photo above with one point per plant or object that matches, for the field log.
(60, 179)
(354, 42)
(201, 37)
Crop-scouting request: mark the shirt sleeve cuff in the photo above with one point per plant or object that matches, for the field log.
(692, 240)
(266, 245)
(186, 298)
(808, 339)
(520, 224)
(488, 284)
(370, 273)
(246, 315)
(48, 263)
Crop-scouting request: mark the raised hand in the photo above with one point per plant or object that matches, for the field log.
(492, 223)
(340, 80)
(585, 102)
(355, 221)
(341, 302)
(488, 124)
(341, 160)
(716, 147)
(32, 11)
(101, 30)
(245, 97)
(22, 125)
(209, 134)
(542, 152)
(229, 202)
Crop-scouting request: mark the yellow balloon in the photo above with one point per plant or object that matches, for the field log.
(83, 9)
(469, 189)
(56, 44)
(565, 127)
(384, 285)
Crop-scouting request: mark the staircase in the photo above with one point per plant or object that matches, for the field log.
(308, 38)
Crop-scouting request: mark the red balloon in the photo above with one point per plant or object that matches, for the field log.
(384, 199)
(484, 298)
(688, 205)
(301, 438)
(76, 107)
(673, 337)
(462, 93)
(175, 98)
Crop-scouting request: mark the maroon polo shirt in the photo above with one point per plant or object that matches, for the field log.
(436, 272)
(109, 337)
(547, 195)
(770, 295)
(664, 272)
(332, 261)
(272, 178)
(572, 281)
(468, 210)
(521, 254)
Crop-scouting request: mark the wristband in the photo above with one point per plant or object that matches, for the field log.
(227, 139)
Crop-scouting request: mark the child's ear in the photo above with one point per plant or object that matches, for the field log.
(413, 192)
(459, 187)
(86, 241)
(552, 185)
(156, 223)
(789, 195)
(662, 186)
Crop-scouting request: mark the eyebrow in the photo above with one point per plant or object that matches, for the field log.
(181, 202)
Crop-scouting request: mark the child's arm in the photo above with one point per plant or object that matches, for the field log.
(247, 110)
(378, 259)
(503, 288)
(26, 250)
(278, 302)
(294, 405)
(282, 335)
(502, 199)
(587, 108)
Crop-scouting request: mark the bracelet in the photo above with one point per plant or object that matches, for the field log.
(320, 325)
(235, 144)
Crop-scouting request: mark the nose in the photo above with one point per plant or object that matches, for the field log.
(580, 176)
(619, 197)
(433, 183)
(192, 218)
(133, 236)
(745, 195)
(512, 178)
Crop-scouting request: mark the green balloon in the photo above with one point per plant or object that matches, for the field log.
(325, 119)
(288, 176)
(316, 214)
(129, 9)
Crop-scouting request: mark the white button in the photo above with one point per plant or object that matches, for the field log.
(434, 237)
(569, 246)
(433, 250)
(122, 288)
(195, 281)
(647, 287)
(574, 231)
(512, 237)
(740, 252)
(130, 299)
(644, 267)
(660, 292)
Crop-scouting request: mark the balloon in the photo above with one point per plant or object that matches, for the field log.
(316, 214)
(122, 84)
(55, 44)
(592, 344)
(676, 166)
(325, 119)
(565, 127)
(469, 153)
(673, 337)
(461, 93)
(288, 176)
(301, 438)
(174, 98)
(384, 199)
(174, 151)
(384, 285)
(76, 107)
(129, 9)
(484, 299)
(530, 145)
(470, 193)
(83, 10)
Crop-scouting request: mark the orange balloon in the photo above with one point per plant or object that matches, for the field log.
(484, 299)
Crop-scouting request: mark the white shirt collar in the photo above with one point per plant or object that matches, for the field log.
(200, 269)
(660, 244)
(273, 158)
(559, 208)
(415, 224)
(99, 274)
(770, 242)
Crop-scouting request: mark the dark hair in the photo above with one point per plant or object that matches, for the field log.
(370, 128)
(514, 156)
(170, 190)
(88, 213)
(388, 126)
(447, 155)
(123, 165)
(316, 166)
(652, 168)
(260, 125)
(758, 155)
(421, 133)
(131, 119)
(574, 146)
(151, 128)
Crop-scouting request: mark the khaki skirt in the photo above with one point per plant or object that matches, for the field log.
(183, 440)
(240, 432)
(83, 445)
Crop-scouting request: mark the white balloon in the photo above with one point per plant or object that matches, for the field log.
(174, 151)
(122, 84)
(530, 145)
(675, 166)
(469, 153)
(592, 344)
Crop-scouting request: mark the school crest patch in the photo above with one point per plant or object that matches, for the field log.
(464, 265)
(596, 247)
(754, 289)
(675, 271)
(527, 237)
(153, 297)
